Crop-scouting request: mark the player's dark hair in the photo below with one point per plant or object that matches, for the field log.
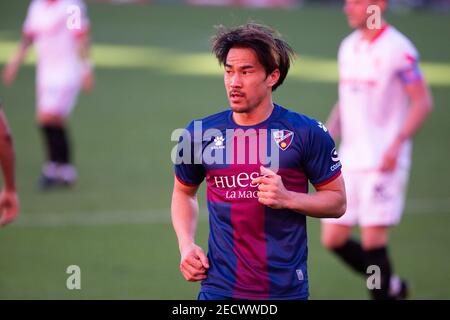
(272, 51)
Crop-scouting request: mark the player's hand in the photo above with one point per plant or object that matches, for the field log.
(88, 81)
(9, 73)
(9, 206)
(194, 263)
(272, 191)
(390, 157)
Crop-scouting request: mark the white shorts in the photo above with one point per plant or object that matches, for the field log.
(57, 100)
(374, 198)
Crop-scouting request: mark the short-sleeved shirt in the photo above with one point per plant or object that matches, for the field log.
(373, 102)
(256, 252)
(54, 27)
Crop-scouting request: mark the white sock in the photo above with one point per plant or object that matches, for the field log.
(50, 169)
(67, 172)
(395, 285)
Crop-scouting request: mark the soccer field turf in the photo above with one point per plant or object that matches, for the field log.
(154, 74)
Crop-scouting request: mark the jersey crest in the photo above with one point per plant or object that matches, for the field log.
(283, 138)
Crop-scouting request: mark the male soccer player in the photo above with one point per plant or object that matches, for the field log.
(257, 243)
(60, 31)
(9, 203)
(383, 101)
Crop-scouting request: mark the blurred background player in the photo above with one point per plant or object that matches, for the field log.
(383, 101)
(9, 203)
(60, 31)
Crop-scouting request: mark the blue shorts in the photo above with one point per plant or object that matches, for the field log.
(215, 296)
(212, 296)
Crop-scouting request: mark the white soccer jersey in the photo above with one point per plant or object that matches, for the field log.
(54, 26)
(372, 100)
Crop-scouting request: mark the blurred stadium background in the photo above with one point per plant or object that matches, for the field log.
(155, 73)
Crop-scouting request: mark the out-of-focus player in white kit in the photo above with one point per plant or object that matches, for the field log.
(383, 101)
(60, 31)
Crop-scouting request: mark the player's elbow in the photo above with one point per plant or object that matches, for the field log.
(339, 208)
(342, 209)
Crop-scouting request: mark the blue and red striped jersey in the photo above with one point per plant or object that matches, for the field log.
(256, 252)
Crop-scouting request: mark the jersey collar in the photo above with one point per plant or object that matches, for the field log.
(383, 28)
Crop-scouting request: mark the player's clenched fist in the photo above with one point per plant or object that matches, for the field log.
(194, 263)
(272, 191)
(9, 206)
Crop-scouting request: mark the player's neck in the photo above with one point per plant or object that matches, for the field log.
(372, 34)
(255, 116)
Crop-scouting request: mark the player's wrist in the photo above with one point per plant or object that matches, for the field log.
(289, 202)
(185, 245)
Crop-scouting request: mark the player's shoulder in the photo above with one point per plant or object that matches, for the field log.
(35, 4)
(396, 35)
(295, 118)
(349, 40)
(302, 123)
(397, 40)
(34, 10)
(308, 132)
(348, 43)
(214, 121)
(352, 37)
(73, 2)
(80, 4)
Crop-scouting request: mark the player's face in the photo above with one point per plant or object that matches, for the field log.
(246, 81)
(356, 11)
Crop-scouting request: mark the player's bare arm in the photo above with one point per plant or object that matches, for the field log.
(9, 204)
(420, 108)
(328, 202)
(194, 263)
(10, 70)
(333, 123)
(7, 156)
(84, 51)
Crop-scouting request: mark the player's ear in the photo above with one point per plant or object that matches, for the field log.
(273, 78)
